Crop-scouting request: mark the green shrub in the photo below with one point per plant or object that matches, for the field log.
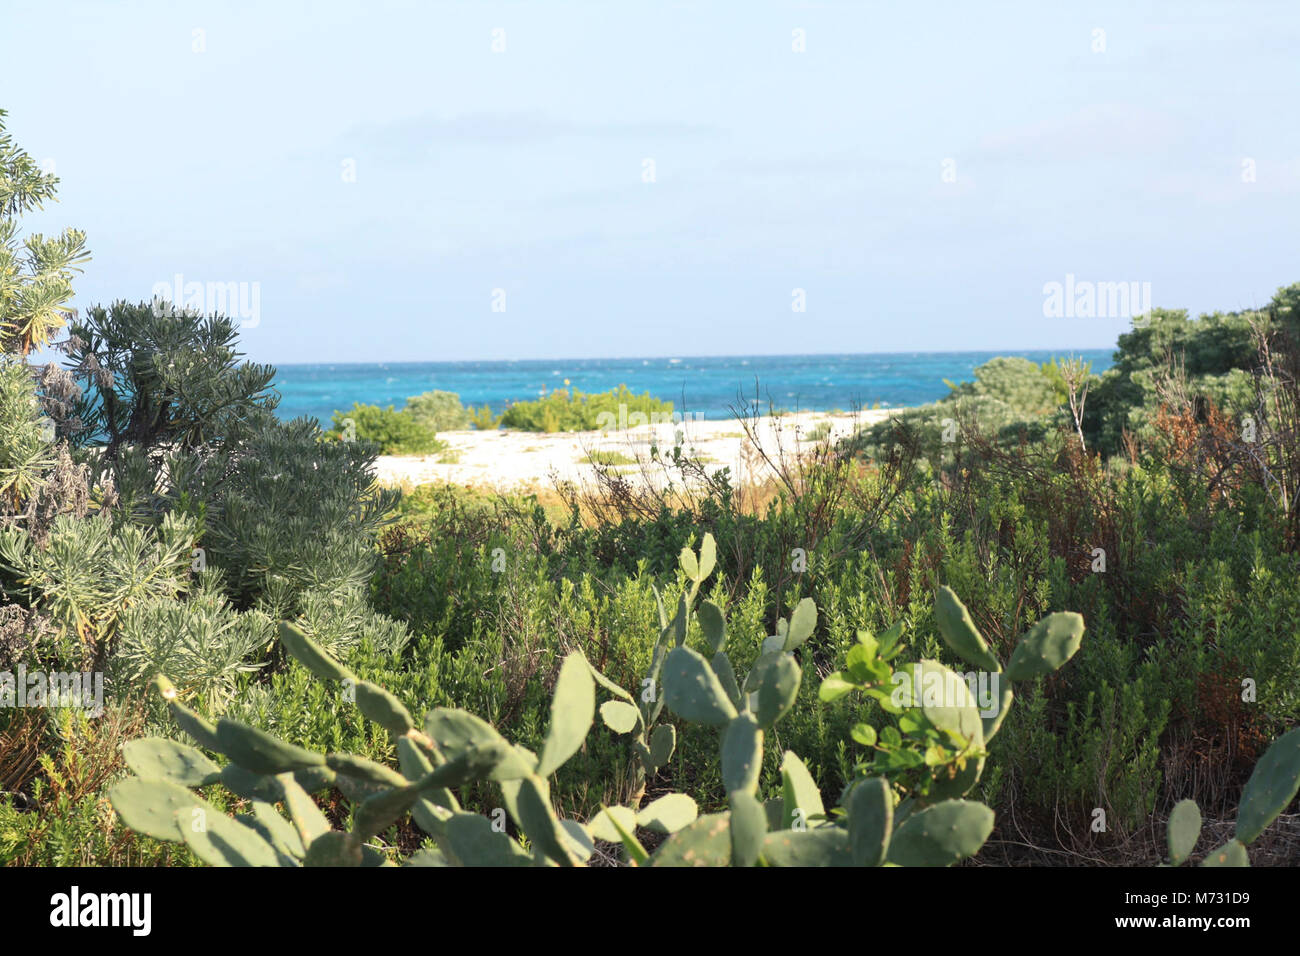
(36, 279)
(483, 419)
(440, 411)
(289, 513)
(565, 411)
(393, 432)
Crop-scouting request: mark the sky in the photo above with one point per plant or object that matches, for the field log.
(478, 180)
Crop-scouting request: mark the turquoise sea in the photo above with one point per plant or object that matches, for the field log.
(708, 386)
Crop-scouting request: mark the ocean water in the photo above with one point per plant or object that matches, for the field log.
(708, 386)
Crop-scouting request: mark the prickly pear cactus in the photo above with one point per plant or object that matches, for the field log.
(1272, 786)
(285, 827)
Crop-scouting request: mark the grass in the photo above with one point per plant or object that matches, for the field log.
(606, 457)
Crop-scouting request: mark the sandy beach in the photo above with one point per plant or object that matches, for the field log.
(507, 460)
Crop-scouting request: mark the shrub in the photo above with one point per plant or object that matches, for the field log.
(483, 419)
(440, 411)
(565, 411)
(394, 432)
(288, 513)
(158, 379)
(203, 641)
(36, 282)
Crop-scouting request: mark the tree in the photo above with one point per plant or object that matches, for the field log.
(36, 276)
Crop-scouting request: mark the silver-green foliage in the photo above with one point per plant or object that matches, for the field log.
(203, 641)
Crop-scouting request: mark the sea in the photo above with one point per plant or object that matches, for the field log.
(711, 387)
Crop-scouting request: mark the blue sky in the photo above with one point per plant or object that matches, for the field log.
(774, 170)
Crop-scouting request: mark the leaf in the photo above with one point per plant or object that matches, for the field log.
(714, 625)
(942, 834)
(1184, 830)
(602, 825)
(573, 708)
(960, 633)
(742, 754)
(157, 758)
(688, 564)
(1271, 788)
(748, 826)
(802, 798)
(668, 814)
(778, 689)
(864, 734)
(833, 688)
(692, 690)
(871, 821)
(619, 716)
(1232, 853)
(802, 624)
(708, 557)
(1046, 646)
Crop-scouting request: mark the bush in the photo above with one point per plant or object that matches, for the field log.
(289, 513)
(394, 432)
(441, 411)
(562, 411)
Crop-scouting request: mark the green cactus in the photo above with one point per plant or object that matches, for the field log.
(942, 834)
(1184, 831)
(451, 748)
(1272, 786)
(456, 750)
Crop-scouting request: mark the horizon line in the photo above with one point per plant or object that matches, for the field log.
(681, 358)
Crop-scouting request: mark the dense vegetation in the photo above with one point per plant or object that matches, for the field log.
(158, 519)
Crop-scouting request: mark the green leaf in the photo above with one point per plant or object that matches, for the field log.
(150, 806)
(692, 690)
(1232, 853)
(668, 814)
(260, 752)
(157, 758)
(689, 564)
(871, 821)
(714, 625)
(1046, 646)
(383, 708)
(1184, 830)
(573, 708)
(802, 624)
(942, 834)
(602, 825)
(778, 689)
(748, 828)
(662, 743)
(619, 716)
(307, 653)
(834, 687)
(1271, 788)
(960, 633)
(706, 842)
(824, 846)
(218, 840)
(801, 796)
(742, 754)
(708, 558)
(864, 734)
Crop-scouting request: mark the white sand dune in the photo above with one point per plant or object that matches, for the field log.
(507, 460)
